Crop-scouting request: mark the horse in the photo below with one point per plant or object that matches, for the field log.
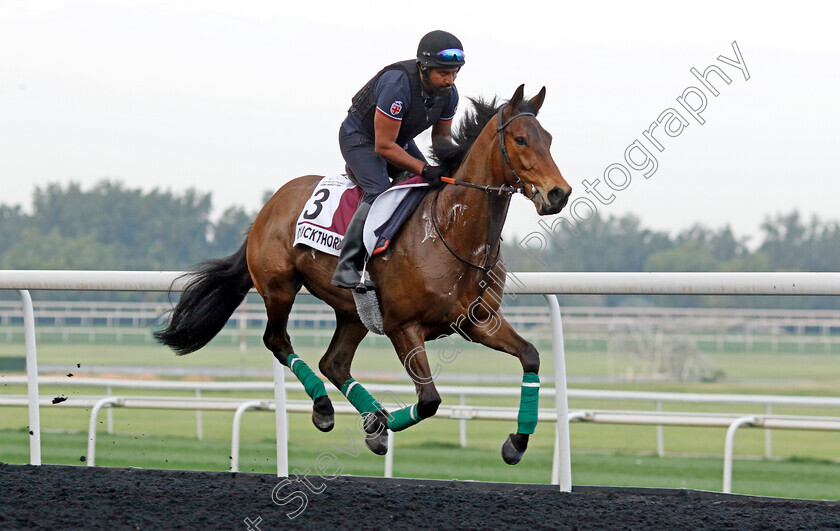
(442, 274)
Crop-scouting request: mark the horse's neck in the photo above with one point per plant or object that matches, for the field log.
(473, 218)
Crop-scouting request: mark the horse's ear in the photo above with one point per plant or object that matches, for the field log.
(537, 101)
(514, 102)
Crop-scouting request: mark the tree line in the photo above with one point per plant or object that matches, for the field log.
(788, 242)
(112, 227)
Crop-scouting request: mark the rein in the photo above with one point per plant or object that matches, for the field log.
(504, 189)
(501, 190)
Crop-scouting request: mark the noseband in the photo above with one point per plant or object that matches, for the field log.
(501, 190)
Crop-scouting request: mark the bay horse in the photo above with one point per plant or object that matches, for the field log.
(443, 273)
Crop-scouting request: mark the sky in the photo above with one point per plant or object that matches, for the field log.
(237, 98)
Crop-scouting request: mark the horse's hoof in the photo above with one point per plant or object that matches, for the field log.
(510, 453)
(323, 414)
(378, 444)
(376, 435)
(323, 422)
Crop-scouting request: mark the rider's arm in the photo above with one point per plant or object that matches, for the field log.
(442, 131)
(386, 131)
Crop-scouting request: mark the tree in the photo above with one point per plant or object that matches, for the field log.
(157, 230)
(783, 241)
(690, 255)
(229, 231)
(12, 223)
(36, 250)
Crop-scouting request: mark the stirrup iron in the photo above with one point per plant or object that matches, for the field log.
(361, 288)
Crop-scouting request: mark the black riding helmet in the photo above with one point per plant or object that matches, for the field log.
(440, 49)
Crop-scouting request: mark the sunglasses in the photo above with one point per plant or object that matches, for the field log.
(449, 54)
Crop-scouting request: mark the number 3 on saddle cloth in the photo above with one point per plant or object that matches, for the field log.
(325, 217)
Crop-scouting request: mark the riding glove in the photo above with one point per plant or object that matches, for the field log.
(432, 175)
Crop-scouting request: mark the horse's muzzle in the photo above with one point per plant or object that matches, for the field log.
(554, 201)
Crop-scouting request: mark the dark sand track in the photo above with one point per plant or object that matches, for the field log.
(61, 497)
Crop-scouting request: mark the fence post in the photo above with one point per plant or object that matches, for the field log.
(660, 433)
(463, 423)
(768, 436)
(555, 463)
(729, 449)
(199, 425)
(109, 412)
(389, 457)
(32, 378)
(237, 428)
(282, 420)
(94, 414)
(561, 401)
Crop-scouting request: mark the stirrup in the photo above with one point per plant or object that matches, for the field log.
(365, 283)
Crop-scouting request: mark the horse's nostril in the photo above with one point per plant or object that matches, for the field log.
(555, 195)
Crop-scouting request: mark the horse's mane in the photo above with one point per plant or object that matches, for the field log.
(465, 134)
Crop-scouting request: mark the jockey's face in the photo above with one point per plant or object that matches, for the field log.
(440, 80)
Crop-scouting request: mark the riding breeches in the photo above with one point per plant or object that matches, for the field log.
(373, 173)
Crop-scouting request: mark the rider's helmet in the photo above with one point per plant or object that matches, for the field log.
(440, 49)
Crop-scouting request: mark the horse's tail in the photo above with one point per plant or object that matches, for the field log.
(213, 292)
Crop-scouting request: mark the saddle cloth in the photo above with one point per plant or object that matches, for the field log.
(324, 219)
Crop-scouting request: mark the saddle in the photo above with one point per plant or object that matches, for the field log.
(325, 216)
(324, 219)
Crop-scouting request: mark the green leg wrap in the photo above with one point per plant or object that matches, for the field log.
(360, 398)
(404, 418)
(312, 384)
(529, 403)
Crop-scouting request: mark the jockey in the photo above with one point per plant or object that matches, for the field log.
(377, 137)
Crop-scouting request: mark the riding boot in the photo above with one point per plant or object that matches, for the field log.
(347, 274)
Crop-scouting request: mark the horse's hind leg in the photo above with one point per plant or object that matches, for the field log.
(335, 365)
(278, 304)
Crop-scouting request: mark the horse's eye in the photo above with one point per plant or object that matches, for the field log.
(521, 141)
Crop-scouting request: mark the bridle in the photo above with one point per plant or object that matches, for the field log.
(504, 189)
(500, 190)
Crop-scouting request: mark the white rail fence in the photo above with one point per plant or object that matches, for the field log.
(657, 399)
(775, 329)
(460, 412)
(547, 284)
(730, 421)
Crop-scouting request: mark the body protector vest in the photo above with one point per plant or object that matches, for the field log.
(417, 118)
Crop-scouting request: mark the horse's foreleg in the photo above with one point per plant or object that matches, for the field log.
(409, 346)
(505, 339)
(335, 365)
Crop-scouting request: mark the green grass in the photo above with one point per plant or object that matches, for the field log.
(429, 458)
(585, 436)
(601, 454)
